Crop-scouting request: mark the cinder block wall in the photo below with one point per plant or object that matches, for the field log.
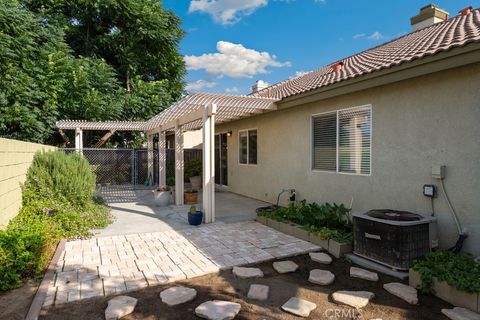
(15, 159)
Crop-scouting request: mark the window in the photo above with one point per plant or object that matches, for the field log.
(247, 144)
(342, 141)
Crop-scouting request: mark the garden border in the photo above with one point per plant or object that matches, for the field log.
(446, 292)
(41, 294)
(335, 248)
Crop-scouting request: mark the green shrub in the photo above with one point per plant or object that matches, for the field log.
(193, 168)
(25, 250)
(458, 270)
(57, 175)
(58, 202)
(328, 221)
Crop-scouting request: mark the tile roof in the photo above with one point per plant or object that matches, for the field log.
(443, 36)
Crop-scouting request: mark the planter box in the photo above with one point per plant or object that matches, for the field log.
(262, 220)
(318, 241)
(300, 233)
(338, 249)
(286, 227)
(446, 292)
(273, 224)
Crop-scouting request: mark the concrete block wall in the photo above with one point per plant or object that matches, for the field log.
(15, 159)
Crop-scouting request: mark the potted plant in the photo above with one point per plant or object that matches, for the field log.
(193, 170)
(162, 196)
(190, 196)
(195, 216)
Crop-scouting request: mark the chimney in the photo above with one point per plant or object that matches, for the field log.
(259, 85)
(429, 15)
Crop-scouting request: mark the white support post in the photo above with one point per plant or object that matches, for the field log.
(209, 163)
(162, 159)
(79, 140)
(150, 157)
(179, 183)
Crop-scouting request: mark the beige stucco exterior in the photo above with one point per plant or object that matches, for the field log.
(15, 159)
(416, 123)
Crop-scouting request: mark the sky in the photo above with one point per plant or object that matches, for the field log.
(230, 44)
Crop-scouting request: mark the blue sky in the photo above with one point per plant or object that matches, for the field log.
(229, 44)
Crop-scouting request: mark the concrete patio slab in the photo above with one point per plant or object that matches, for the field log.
(114, 264)
(135, 212)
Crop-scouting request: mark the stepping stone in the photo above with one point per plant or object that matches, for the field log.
(363, 274)
(285, 266)
(177, 295)
(322, 277)
(119, 307)
(246, 273)
(402, 291)
(458, 313)
(299, 307)
(258, 292)
(320, 257)
(356, 299)
(218, 310)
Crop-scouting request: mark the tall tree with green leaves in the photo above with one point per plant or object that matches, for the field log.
(138, 38)
(41, 81)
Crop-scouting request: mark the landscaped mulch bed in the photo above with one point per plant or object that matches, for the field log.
(225, 286)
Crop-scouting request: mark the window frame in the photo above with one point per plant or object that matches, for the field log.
(337, 164)
(248, 147)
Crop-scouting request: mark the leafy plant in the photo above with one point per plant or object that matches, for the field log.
(57, 175)
(57, 204)
(328, 221)
(193, 210)
(170, 181)
(458, 270)
(193, 168)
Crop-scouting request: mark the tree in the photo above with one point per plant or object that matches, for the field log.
(138, 38)
(41, 81)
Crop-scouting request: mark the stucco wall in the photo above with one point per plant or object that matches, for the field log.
(417, 123)
(15, 159)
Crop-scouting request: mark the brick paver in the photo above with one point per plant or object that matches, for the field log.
(111, 265)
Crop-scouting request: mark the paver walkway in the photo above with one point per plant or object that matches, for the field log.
(110, 265)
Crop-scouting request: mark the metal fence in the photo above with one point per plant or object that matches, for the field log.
(130, 166)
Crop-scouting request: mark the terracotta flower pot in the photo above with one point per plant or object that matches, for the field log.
(190, 197)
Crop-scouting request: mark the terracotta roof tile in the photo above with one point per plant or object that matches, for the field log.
(443, 36)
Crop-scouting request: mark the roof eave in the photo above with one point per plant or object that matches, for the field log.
(445, 60)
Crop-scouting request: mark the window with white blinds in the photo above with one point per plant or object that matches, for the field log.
(342, 141)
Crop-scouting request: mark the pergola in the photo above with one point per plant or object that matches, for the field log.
(195, 111)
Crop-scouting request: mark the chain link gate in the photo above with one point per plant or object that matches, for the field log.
(120, 166)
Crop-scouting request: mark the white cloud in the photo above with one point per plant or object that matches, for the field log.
(231, 11)
(299, 74)
(359, 35)
(199, 85)
(232, 90)
(226, 11)
(234, 60)
(374, 36)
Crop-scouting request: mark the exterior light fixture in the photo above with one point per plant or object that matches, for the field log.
(229, 133)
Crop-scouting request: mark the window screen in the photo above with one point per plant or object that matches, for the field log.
(354, 127)
(342, 141)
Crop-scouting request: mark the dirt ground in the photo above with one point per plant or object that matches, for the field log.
(225, 286)
(14, 304)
